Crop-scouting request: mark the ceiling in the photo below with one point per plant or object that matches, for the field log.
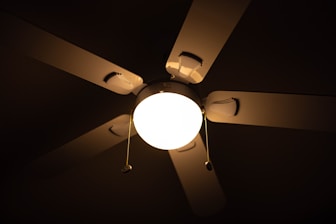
(271, 175)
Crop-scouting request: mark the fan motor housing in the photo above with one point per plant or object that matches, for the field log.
(168, 86)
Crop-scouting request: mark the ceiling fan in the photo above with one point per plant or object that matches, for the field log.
(204, 33)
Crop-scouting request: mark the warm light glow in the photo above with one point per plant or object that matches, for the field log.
(167, 120)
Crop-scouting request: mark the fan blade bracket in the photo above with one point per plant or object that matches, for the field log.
(120, 127)
(187, 147)
(122, 83)
(186, 69)
(227, 107)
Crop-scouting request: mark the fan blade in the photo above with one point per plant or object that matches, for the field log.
(309, 112)
(205, 30)
(84, 147)
(54, 51)
(200, 185)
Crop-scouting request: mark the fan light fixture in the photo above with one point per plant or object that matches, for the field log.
(167, 115)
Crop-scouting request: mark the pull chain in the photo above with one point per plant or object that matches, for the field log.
(127, 166)
(208, 163)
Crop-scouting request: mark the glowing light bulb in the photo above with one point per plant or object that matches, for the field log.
(167, 120)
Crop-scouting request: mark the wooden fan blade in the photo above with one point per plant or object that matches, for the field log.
(201, 186)
(295, 111)
(84, 147)
(206, 29)
(47, 48)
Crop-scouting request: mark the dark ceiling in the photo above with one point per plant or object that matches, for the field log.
(271, 175)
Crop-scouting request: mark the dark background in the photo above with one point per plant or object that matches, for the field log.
(269, 175)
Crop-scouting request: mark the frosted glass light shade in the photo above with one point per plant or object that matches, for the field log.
(167, 120)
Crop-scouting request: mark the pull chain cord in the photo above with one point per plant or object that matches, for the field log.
(208, 163)
(127, 166)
